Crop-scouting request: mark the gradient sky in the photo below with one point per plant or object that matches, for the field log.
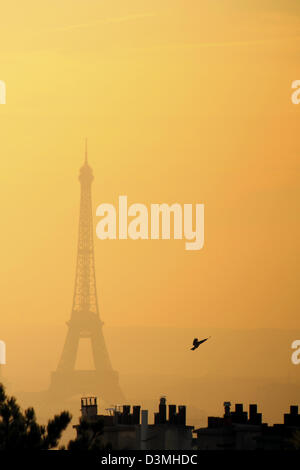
(182, 101)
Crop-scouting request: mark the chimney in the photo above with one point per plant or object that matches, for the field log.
(162, 410)
(181, 415)
(136, 415)
(294, 410)
(254, 417)
(89, 407)
(125, 417)
(227, 406)
(172, 414)
(144, 429)
(239, 408)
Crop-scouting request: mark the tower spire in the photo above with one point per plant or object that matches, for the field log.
(86, 153)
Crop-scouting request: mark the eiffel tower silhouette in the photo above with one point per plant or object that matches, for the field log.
(85, 320)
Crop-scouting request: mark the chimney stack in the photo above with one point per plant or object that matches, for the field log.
(89, 407)
(162, 410)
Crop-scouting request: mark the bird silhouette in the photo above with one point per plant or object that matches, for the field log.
(196, 343)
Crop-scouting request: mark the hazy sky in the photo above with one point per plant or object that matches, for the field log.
(182, 101)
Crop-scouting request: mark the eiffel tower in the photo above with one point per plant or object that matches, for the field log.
(85, 321)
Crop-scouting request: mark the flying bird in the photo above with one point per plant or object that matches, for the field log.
(196, 343)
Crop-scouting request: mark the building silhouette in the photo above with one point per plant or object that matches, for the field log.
(238, 430)
(85, 320)
(126, 430)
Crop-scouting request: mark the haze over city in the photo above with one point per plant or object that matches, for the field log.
(186, 102)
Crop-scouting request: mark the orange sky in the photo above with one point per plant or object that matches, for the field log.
(182, 101)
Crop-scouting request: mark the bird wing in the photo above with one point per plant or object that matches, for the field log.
(203, 340)
(195, 342)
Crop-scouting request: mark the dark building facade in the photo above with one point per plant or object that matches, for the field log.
(126, 429)
(240, 430)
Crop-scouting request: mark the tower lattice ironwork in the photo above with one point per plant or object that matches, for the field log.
(85, 320)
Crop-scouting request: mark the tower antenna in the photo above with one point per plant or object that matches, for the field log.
(86, 153)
